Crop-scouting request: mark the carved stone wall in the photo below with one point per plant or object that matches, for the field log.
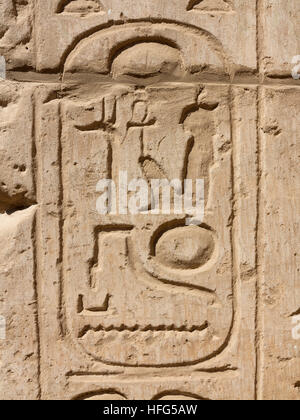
(143, 306)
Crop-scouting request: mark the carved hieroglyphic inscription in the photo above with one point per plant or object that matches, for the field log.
(17, 183)
(136, 303)
(143, 292)
(164, 299)
(124, 294)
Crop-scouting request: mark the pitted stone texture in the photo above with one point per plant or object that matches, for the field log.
(16, 33)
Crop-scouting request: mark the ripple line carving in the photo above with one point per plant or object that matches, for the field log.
(141, 329)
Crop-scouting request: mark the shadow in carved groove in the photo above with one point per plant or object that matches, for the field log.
(106, 395)
(217, 60)
(210, 5)
(81, 7)
(178, 395)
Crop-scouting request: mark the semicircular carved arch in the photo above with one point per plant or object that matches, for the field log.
(96, 54)
(136, 128)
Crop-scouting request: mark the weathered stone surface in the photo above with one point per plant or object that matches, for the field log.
(16, 33)
(18, 300)
(138, 304)
(17, 185)
(19, 349)
(280, 36)
(279, 252)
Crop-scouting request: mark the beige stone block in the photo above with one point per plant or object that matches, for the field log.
(19, 349)
(132, 304)
(280, 37)
(279, 244)
(19, 346)
(117, 310)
